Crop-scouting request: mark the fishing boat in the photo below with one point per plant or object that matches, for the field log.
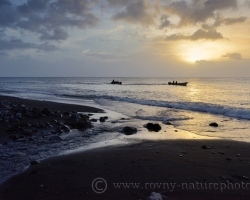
(180, 84)
(116, 82)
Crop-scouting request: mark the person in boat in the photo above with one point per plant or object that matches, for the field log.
(113, 81)
(176, 83)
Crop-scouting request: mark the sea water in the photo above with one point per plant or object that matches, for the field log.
(204, 100)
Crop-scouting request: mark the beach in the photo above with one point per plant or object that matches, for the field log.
(175, 169)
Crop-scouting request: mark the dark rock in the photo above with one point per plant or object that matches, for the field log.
(55, 138)
(13, 137)
(66, 113)
(153, 127)
(27, 132)
(127, 130)
(93, 120)
(214, 124)
(19, 115)
(206, 147)
(78, 122)
(34, 162)
(102, 119)
(65, 128)
(46, 111)
(35, 110)
(59, 131)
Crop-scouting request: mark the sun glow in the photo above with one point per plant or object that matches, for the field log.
(200, 51)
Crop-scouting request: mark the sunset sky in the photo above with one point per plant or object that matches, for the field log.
(150, 38)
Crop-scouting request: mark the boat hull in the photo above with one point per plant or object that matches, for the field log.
(178, 84)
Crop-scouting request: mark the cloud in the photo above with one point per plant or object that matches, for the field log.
(118, 28)
(138, 11)
(198, 35)
(16, 43)
(101, 55)
(58, 34)
(230, 21)
(164, 22)
(220, 20)
(202, 61)
(198, 10)
(47, 18)
(233, 56)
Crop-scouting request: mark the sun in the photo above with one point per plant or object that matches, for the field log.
(193, 52)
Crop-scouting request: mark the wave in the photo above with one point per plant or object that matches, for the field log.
(228, 111)
(235, 112)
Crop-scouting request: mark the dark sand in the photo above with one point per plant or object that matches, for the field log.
(150, 163)
(71, 176)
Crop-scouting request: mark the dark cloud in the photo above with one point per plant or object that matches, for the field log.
(220, 20)
(230, 21)
(198, 10)
(14, 43)
(138, 11)
(48, 18)
(47, 47)
(5, 3)
(198, 35)
(58, 34)
(164, 22)
(233, 56)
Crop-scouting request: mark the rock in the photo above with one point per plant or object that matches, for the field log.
(102, 119)
(153, 127)
(65, 128)
(127, 130)
(23, 106)
(167, 123)
(66, 113)
(19, 115)
(59, 131)
(13, 137)
(78, 122)
(34, 162)
(93, 120)
(214, 124)
(155, 196)
(206, 147)
(55, 138)
(46, 111)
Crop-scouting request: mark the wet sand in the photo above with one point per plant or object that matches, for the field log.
(178, 169)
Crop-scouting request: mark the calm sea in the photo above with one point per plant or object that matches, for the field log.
(204, 100)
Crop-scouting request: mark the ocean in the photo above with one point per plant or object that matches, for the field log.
(204, 100)
(225, 101)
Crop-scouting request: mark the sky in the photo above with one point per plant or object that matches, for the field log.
(124, 38)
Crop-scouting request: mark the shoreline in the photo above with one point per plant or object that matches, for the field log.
(149, 161)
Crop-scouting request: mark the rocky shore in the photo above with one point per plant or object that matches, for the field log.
(22, 119)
